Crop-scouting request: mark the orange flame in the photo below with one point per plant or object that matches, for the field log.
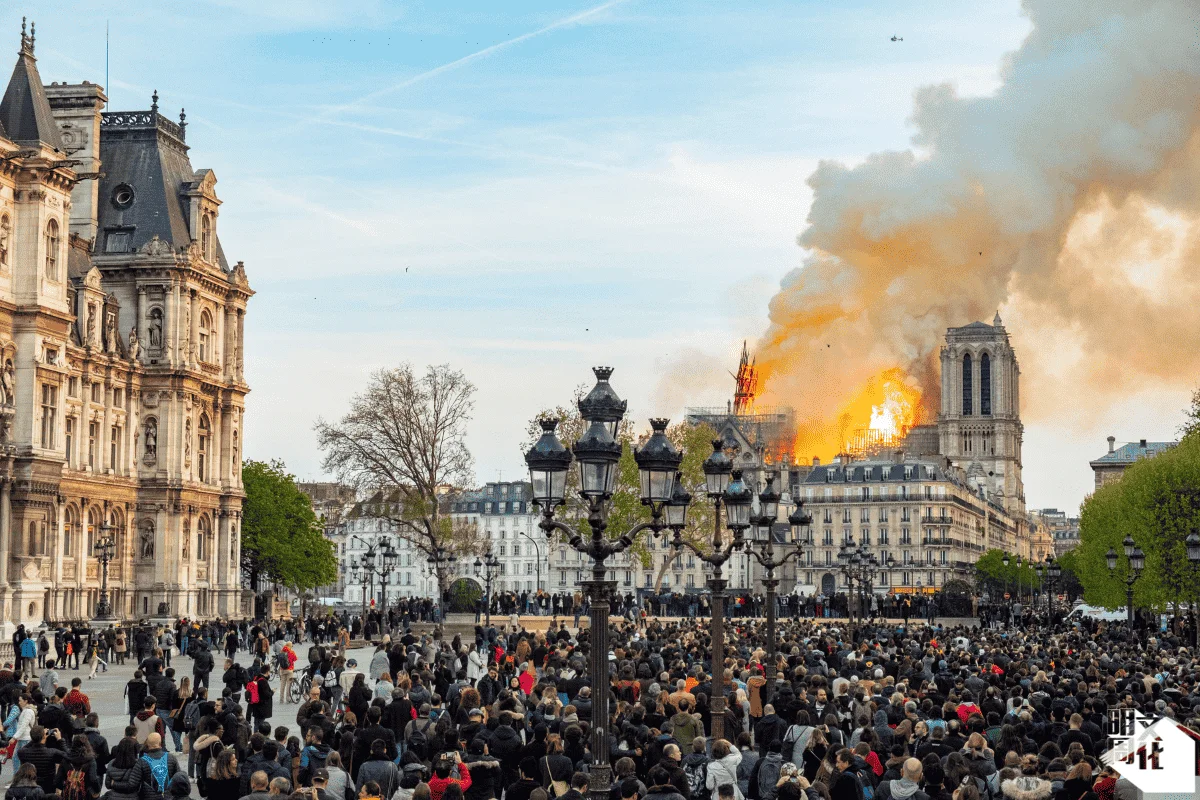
(880, 414)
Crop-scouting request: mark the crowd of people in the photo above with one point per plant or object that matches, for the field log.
(877, 710)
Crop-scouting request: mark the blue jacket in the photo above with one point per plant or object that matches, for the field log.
(28, 648)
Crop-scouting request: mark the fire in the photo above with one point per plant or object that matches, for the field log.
(896, 415)
(879, 414)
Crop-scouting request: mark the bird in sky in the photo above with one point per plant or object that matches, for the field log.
(897, 38)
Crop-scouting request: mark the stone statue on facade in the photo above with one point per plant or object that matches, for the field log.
(91, 325)
(8, 382)
(147, 542)
(135, 347)
(110, 335)
(151, 440)
(156, 326)
(164, 608)
(187, 443)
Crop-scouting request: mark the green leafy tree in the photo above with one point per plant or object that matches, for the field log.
(281, 535)
(1157, 502)
(996, 578)
(1191, 417)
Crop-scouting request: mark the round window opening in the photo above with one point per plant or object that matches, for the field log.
(123, 196)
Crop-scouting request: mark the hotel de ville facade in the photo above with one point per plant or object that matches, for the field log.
(121, 383)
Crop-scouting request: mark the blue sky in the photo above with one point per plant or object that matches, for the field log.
(526, 189)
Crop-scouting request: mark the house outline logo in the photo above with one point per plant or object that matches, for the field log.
(1155, 756)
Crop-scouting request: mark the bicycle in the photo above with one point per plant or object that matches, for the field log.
(298, 691)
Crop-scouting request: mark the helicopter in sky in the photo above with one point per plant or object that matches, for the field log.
(897, 38)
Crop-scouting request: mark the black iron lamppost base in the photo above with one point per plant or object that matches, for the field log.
(600, 593)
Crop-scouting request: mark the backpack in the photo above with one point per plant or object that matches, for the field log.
(252, 691)
(418, 739)
(696, 773)
(316, 761)
(75, 787)
(191, 716)
(210, 768)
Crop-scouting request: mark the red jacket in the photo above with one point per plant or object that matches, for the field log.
(438, 785)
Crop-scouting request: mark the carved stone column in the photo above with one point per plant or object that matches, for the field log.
(241, 338)
(171, 327)
(193, 333)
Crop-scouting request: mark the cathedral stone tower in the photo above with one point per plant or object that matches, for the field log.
(979, 427)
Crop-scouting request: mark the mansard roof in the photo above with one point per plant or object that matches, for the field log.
(25, 116)
(146, 152)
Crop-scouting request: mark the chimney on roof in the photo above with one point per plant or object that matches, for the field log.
(816, 461)
(1142, 444)
(1112, 443)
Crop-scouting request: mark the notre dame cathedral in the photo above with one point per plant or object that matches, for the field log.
(121, 383)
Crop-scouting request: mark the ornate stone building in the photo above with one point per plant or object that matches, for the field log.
(979, 427)
(121, 329)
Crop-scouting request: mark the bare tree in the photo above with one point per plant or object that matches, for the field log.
(404, 437)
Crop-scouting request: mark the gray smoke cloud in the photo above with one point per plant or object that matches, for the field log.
(1069, 197)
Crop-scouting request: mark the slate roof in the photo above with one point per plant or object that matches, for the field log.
(1131, 452)
(25, 116)
(858, 472)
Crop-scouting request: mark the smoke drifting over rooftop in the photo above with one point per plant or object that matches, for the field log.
(1069, 198)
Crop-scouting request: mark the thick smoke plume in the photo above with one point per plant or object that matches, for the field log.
(1069, 198)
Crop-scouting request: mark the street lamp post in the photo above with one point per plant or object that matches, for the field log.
(768, 505)
(597, 452)
(1137, 562)
(736, 498)
(1193, 556)
(487, 570)
(858, 566)
(441, 561)
(1005, 560)
(104, 548)
(537, 551)
(1053, 572)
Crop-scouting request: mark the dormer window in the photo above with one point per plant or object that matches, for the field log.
(52, 249)
(205, 336)
(206, 236)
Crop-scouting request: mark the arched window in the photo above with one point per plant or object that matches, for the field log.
(202, 449)
(205, 335)
(94, 524)
(52, 249)
(5, 239)
(69, 526)
(985, 385)
(206, 226)
(202, 533)
(966, 385)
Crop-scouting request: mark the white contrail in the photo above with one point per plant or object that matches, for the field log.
(467, 59)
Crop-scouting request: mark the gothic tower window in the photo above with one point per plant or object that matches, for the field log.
(52, 249)
(985, 385)
(5, 239)
(966, 386)
(205, 335)
(202, 448)
(202, 539)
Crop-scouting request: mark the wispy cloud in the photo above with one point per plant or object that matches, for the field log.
(374, 96)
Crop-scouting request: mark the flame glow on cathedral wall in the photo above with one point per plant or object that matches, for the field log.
(1068, 197)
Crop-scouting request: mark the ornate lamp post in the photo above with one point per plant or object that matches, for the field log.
(1053, 572)
(1005, 560)
(486, 569)
(858, 567)
(737, 498)
(104, 548)
(1137, 562)
(441, 561)
(370, 565)
(763, 535)
(597, 452)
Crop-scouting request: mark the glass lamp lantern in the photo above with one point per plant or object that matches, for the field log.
(798, 520)
(1137, 560)
(602, 403)
(548, 461)
(677, 506)
(1110, 558)
(1193, 547)
(1128, 544)
(597, 453)
(658, 464)
(1005, 560)
(478, 567)
(738, 499)
(768, 501)
(1053, 569)
(717, 469)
